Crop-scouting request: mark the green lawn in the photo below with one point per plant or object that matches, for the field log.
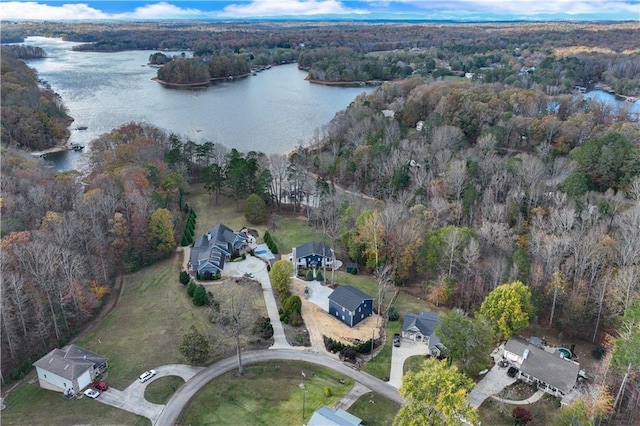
(209, 214)
(146, 328)
(543, 412)
(267, 394)
(414, 363)
(29, 404)
(294, 232)
(380, 412)
(162, 389)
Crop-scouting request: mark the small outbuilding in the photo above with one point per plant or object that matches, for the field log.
(70, 369)
(350, 305)
(325, 416)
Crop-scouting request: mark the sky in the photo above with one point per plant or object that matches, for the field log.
(456, 10)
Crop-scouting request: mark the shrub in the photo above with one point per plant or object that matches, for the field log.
(310, 275)
(393, 313)
(191, 288)
(263, 328)
(598, 352)
(293, 305)
(295, 319)
(199, 296)
(349, 353)
(327, 391)
(184, 278)
(319, 276)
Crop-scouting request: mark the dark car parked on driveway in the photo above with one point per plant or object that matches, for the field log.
(396, 340)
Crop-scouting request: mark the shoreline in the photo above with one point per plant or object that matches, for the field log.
(199, 84)
(345, 83)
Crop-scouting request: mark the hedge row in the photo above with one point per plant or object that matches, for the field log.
(268, 240)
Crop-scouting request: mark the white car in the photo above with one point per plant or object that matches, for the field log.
(92, 393)
(147, 375)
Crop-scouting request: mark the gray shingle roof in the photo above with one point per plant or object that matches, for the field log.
(349, 297)
(425, 322)
(213, 247)
(545, 366)
(70, 362)
(313, 248)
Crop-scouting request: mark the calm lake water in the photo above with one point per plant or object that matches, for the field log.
(272, 112)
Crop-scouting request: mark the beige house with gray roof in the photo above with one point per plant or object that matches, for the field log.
(70, 369)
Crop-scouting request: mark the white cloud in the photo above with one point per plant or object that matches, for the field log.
(289, 8)
(523, 7)
(163, 10)
(36, 11)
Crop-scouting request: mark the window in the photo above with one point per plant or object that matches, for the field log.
(360, 309)
(343, 309)
(45, 376)
(337, 314)
(343, 318)
(361, 316)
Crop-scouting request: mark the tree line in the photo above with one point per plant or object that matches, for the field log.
(557, 56)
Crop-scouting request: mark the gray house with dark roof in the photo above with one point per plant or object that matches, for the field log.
(70, 369)
(313, 255)
(211, 250)
(350, 305)
(422, 328)
(548, 369)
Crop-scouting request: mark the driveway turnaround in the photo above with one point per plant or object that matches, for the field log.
(132, 398)
(399, 355)
(175, 405)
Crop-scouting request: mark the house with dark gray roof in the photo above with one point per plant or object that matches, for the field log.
(422, 328)
(313, 255)
(350, 305)
(546, 367)
(325, 416)
(70, 369)
(210, 251)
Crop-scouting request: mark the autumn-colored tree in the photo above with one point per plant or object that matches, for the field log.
(436, 395)
(521, 416)
(161, 227)
(508, 308)
(280, 275)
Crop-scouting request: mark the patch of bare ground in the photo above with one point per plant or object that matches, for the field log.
(319, 323)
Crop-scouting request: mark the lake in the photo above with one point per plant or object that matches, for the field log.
(273, 111)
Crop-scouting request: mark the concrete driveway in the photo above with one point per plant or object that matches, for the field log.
(132, 398)
(399, 355)
(492, 383)
(318, 294)
(258, 268)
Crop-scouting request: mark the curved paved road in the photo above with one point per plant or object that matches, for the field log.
(175, 405)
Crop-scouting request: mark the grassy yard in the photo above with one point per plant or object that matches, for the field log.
(146, 328)
(161, 390)
(209, 214)
(29, 404)
(380, 412)
(497, 413)
(267, 394)
(294, 232)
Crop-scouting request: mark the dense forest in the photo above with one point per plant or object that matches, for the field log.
(554, 56)
(460, 185)
(33, 117)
